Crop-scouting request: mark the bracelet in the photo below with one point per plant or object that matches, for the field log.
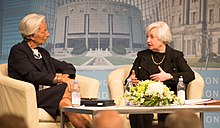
(57, 79)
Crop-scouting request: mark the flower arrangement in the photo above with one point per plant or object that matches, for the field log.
(151, 93)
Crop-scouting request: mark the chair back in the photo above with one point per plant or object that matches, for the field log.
(18, 97)
(195, 87)
(4, 69)
(116, 80)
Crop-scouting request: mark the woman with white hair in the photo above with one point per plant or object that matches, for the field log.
(159, 62)
(31, 63)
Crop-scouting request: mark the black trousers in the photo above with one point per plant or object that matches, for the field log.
(146, 120)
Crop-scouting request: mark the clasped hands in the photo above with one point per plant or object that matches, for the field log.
(64, 78)
(161, 76)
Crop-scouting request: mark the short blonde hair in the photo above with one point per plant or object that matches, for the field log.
(163, 31)
(30, 24)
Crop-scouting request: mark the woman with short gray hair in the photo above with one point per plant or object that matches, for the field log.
(159, 62)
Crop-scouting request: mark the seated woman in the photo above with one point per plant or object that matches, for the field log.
(159, 62)
(31, 63)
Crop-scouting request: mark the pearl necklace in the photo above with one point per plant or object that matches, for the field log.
(152, 57)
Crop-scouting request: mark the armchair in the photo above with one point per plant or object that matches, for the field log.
(117, 77)
(18, 97)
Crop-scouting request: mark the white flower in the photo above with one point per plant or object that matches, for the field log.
(151, 93)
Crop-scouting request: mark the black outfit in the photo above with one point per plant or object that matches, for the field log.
(22, 65)
(144, 66)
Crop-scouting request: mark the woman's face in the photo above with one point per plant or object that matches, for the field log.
(42, 34)
(153, 43)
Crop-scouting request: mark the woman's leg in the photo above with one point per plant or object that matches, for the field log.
(78, 120)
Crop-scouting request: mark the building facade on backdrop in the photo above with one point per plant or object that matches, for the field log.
(98, 25)
(195, 23)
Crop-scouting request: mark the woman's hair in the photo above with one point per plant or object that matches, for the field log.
(182, 119)
(12, 121)
(102, 118)
(29, 24)
(163, 31)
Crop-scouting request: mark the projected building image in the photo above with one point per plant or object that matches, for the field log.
(98, 25)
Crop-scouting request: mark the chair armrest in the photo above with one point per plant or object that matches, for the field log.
(89, 87)
(19, 98)
(115, 85)
(115, 82)
(195, 87)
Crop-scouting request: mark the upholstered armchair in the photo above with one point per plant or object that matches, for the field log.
(117, 77)
(18, 97)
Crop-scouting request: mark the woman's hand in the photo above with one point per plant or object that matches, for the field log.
(133, 78)
(64, 78)
(162, 76)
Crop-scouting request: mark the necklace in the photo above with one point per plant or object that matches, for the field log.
(36, 54)
(152, 57)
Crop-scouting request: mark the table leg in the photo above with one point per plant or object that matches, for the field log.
(93, 115)
(62, 115)
(202, 119)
